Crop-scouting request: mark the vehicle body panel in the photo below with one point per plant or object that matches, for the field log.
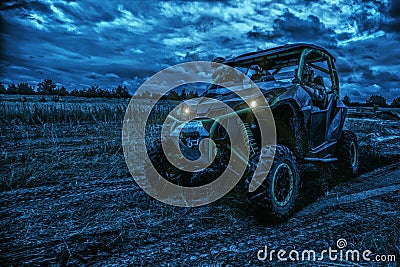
(312, 116)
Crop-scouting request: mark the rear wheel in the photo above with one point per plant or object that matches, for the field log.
(347, 154)
(276, 198)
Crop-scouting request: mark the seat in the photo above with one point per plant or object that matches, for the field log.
(319, 80)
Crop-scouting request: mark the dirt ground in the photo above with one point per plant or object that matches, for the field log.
(68, 199)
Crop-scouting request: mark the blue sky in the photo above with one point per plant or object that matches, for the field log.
(80, 43)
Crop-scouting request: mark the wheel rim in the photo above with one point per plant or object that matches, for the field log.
(353, 155)
(282, 184)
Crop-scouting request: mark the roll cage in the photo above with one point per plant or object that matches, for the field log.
(300, 55)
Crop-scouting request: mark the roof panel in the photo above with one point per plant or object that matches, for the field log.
(278, 51)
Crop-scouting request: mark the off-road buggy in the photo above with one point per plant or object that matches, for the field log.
(301, 85)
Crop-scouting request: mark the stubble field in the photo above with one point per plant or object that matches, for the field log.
(67, 197)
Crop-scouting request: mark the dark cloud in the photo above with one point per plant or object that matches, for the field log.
(25, 5)
(392, 24)
(380, 76)
(369, 16)
(79, 43)
(370, 66)
(290, 28)
(395, 9)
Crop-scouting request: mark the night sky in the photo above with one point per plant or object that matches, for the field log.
(81, 43)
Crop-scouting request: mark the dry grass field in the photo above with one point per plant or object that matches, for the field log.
(67, 197)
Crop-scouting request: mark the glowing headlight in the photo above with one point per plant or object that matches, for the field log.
(253, 104)
(186, 110)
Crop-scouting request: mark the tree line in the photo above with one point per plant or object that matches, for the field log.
(48, 87)
(171, 95)
(373, 101)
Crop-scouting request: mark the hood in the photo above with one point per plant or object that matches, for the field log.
(233, 99)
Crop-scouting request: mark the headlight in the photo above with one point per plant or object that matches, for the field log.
(253, 104)
(186, 110)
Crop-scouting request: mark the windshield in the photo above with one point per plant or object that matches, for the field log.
(276, 75)
(265, 78)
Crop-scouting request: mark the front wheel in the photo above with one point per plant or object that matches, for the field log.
(276, 198)
(158, 164)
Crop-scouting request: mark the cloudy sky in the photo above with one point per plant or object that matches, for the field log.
(80, 43)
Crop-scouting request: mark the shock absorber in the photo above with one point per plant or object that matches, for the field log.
(247, 135)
